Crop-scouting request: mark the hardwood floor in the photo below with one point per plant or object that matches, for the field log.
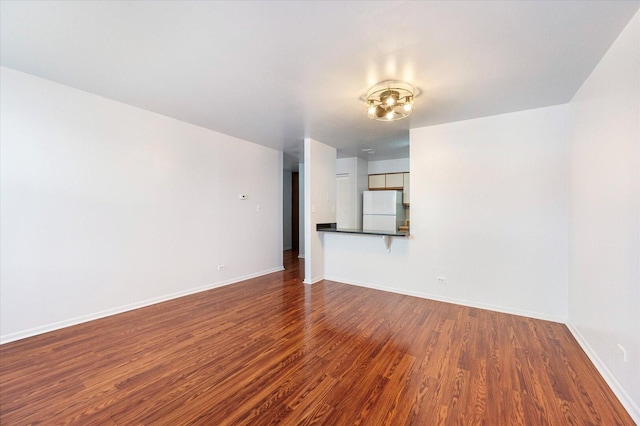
(273, 350)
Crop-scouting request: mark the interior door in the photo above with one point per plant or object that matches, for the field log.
(343, 202)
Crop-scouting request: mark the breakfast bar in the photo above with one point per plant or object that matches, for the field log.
(386, 235)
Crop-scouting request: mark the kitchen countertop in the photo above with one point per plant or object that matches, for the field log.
(331, 227)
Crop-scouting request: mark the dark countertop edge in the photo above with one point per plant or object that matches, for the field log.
(331, 227)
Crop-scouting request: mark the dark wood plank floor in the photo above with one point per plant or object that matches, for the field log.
(273, 350)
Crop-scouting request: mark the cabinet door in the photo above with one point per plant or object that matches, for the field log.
(377, 181)
(395, 180)
(405, 190)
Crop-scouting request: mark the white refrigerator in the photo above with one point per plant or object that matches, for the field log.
(382, 210)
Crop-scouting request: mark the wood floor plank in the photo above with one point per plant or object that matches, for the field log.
(272, 350)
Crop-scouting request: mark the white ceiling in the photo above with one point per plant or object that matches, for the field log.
(276, 72)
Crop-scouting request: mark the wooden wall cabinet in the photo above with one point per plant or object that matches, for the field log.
(395, 180)
(405, 190)
(387, 181)
(377, 182)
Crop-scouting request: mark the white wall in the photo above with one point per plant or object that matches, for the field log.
(489, 213)
(346, 165)
(106, 207)
(301, 216)
(319, 201)
(286, 210)
(399, 165)
(604, 216)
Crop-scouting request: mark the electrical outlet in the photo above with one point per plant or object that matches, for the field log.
(220, 267)
(441, 280)
(623, 352)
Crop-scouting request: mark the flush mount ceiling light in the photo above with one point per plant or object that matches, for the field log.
(390, 100)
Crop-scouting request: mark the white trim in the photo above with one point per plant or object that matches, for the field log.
(313, 280)
(520, 312)
(625, 399)
(120, 309)
(301, 256)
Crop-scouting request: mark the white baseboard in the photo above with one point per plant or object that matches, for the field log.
(625, 399)
(463, 302)
(120, 309)
(301, 256)
(313, 280)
